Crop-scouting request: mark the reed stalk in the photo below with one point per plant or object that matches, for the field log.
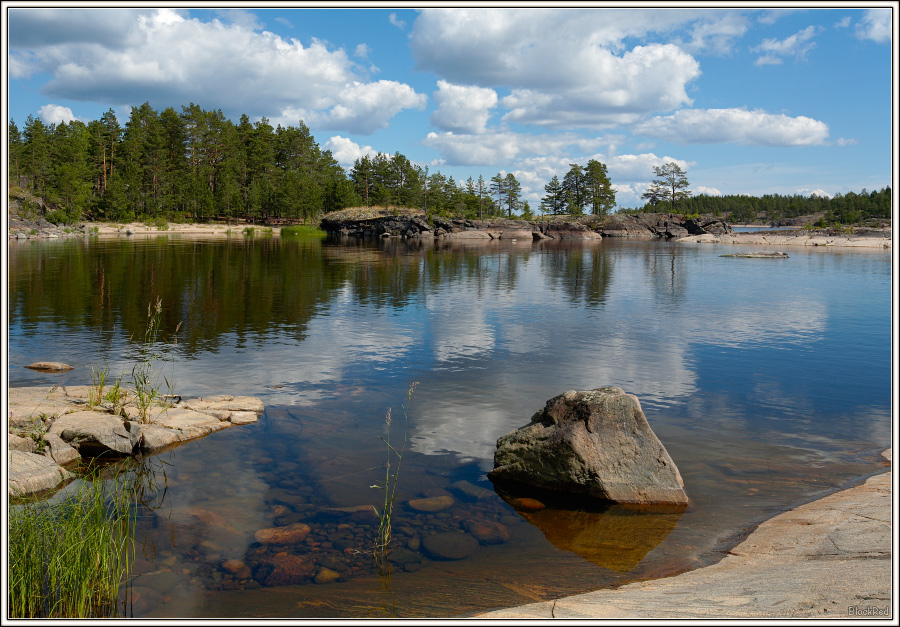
(389, 488)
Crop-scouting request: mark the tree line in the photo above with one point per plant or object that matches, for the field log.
(849, 208)
(198, 165)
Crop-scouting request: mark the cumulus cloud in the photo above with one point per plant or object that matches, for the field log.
(501, 146)
(797, 45)
(396, 21)
(639, 167)
(716, 126)
(55, 114)
(58, 26)
(821, 193)
(362, 51)
(875, 25)
(717, 34)
(843, 23)
(166, 57)
(709, 191)
(583, 76)
(461, 108)
(346, 151)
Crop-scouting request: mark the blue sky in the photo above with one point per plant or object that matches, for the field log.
(746, 100)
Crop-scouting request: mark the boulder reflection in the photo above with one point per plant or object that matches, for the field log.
(616, 537)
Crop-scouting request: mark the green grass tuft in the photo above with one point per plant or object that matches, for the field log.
(69, 559)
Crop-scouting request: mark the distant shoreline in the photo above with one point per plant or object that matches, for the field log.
(854, 238)
(872, 239)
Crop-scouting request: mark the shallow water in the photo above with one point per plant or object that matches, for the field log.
(767, 381)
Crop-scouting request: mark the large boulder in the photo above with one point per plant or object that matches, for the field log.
(594, 443)
(94, 433)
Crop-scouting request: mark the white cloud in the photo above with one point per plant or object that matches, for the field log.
(843, 23)
(582, 76)
(769, 60)
(284, 21)
(639, 167)
(501, 147)
(709, 191)
(717, 34)
(240, 17)
(875, 25)
(843, 141)
(362, 51)
(393, 19)
(54, 114)
(168, 58)
(614, 91)
(797, 45)
(805, 191)
(461, 108)
(714, 126)
(346, 151)
(366, 107)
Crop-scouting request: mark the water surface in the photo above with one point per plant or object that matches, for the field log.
(767, 380)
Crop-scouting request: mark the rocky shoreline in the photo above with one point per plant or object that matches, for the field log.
(51, 429)
(414, 224)
(417, 225)
(830, 558)
(862, 238)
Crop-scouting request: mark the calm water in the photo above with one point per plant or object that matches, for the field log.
(767, 380)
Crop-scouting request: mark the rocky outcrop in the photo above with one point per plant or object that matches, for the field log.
(53, 427)
(408, 226)
(411, 224)
(594, 443)
(660, 226)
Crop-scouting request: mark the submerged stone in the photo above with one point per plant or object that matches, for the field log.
(290, 534)
(431, 504)
(487, 531)
(449, 545)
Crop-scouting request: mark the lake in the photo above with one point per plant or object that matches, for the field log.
(768, 381)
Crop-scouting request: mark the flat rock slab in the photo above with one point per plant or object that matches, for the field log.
(224, 402)
(759, 255)
(30, 473)
(827, 559)
(50, 366)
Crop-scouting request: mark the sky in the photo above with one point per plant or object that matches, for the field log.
(746, 99)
